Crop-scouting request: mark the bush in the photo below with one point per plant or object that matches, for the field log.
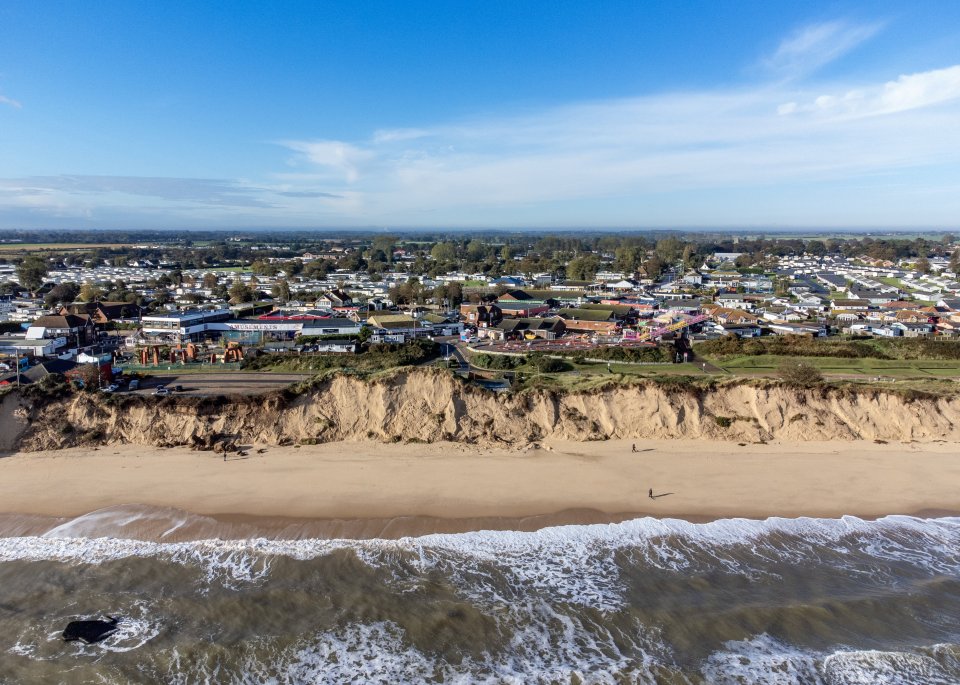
(799, 372)
(548, 364)
(659, 353)
(499, 362)
(377, 357)
(847, 347)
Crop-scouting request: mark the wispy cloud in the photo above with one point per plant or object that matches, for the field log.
(193, 190)
(4, 100)
(172, 201)
(343, 159)
(637, 148)
(815, 45)
(911, 91)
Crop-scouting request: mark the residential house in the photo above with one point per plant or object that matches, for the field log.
(78, 329)
(481, 315)
(102, 313)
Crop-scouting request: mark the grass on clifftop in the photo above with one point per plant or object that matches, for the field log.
(844, 347)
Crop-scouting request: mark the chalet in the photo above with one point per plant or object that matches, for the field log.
(333, 299)
(849, 305)
(579, 320)
(741, 330)
(726, 315)
(318, 327)
(915, 330)
(396, 328)
(817, 330)
(516, 296)
(950, 303)
(682, 306)
(528, 328)
(522, 308)
(734, 301)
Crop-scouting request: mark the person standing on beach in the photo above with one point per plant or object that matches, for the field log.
(634, 447)
(650, 493)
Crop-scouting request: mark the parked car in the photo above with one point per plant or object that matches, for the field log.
(178, 388)
(161, 391)
(134, 384)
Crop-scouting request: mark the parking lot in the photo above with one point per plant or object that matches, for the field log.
(237, 383)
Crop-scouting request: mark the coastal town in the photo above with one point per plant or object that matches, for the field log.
(237, 303)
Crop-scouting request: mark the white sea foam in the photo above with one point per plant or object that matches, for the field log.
(763, 660)
(378, 653)
(573, 563)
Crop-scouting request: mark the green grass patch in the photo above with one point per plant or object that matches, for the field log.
(768, 365)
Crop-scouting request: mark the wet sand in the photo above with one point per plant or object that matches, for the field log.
(371, 489)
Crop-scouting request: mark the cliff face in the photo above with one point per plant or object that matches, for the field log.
(428, 406)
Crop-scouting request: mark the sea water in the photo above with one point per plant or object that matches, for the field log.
(832, 601)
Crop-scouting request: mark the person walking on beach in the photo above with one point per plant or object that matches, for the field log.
(650, 493)
(634, 447)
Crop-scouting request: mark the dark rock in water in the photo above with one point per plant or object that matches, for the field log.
(90, 631)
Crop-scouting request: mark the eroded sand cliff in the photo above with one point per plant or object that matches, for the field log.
(428, 406)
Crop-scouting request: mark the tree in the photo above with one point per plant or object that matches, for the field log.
(653, 267)
(240, 292)
(444, 252)
(89, 375)
(281, 290)
(583, 268)
(384, 244)
(31, 272)
(955, 261)
(161, 296)
(455, 294)
(800, 372)
(669, 249)
(922, 266)
(627, 259)
(90, 293)
(61, 294)
(210, 281)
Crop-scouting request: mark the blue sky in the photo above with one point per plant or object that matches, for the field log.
(479, 114)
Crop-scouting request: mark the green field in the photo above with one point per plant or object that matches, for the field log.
(768, 365)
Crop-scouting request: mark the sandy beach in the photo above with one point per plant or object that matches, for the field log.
(690, 479)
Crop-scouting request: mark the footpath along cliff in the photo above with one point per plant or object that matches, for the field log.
(428, 406)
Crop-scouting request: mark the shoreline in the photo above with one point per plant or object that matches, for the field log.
(138, 522)
(366, 490)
